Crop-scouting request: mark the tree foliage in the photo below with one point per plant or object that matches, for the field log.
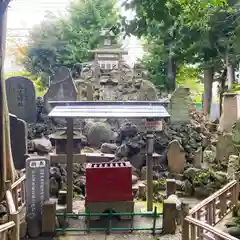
(186, 32)
(66, 40)
(181, 29)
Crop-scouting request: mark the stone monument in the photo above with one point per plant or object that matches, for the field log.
(179, 106)
(37, 192)
(230, 112)
(21, 98)
(62, 88)
(18, 133)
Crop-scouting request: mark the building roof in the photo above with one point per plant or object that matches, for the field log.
(109, 50)
(107, 32)
(109, 109)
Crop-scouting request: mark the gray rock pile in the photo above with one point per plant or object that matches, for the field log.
(203, 182)
(58, 179)
(130, 143)
(98, 133)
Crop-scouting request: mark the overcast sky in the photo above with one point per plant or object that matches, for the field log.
(24, 14)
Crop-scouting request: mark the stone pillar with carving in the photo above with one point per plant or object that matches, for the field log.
(230, 112)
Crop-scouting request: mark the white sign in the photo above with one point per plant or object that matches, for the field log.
(155, 126)
(37, 164)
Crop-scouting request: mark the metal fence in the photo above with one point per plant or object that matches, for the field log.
(110, 215)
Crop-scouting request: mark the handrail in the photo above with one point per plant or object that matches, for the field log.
(205, 215)
(210, 228)
(20, 180)
(6, 226)
(10, 202)
(18, 192)
(212, 197)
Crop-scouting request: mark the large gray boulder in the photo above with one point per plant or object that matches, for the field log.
(99, 133)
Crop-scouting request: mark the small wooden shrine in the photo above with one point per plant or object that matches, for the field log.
(111, 54)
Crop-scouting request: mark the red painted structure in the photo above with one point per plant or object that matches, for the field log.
(109, 182)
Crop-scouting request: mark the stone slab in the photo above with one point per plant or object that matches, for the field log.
(37, 191)
(18, 133)
(21, 98)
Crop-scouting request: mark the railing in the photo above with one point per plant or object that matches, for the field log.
(109, 215)
(199, 222)
(18, 192)
(15, 198)
(4, 230)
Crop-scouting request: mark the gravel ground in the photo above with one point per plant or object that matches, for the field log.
(138, 222)
(138, 236)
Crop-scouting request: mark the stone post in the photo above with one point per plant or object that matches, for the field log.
(62, 197)
(169, 217)
(171, 187)
(48, 218)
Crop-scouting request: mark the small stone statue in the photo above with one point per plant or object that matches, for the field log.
(41, 144)
(40, 106)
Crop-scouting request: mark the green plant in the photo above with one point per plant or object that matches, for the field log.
(65, 41)
(204, 178)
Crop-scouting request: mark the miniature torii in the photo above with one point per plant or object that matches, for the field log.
(149, 110)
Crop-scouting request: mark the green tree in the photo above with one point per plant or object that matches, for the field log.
(185, 31)
(66, 40)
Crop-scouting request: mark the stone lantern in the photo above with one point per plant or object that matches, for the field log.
(60, 139)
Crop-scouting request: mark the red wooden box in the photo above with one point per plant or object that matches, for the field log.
(109, 182)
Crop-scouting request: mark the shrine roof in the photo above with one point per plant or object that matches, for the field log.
(109, 50)
(63, 135)
(109, 109)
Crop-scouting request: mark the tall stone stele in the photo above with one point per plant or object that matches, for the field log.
(176, 157)
(180, 106)
(231, 112)
(236, 134)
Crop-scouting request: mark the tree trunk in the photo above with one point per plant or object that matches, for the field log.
(230, 72)
(208, 81)
(171, 73)
(222, 89)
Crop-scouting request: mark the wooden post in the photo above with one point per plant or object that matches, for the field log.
(16, 229)
(236, 190)
(69, 164)
(4, 229)
(223, 204)
(13, 213)
(150, 143)
(185, 225)
(2, 132)
(214, 212)
(210, 213)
